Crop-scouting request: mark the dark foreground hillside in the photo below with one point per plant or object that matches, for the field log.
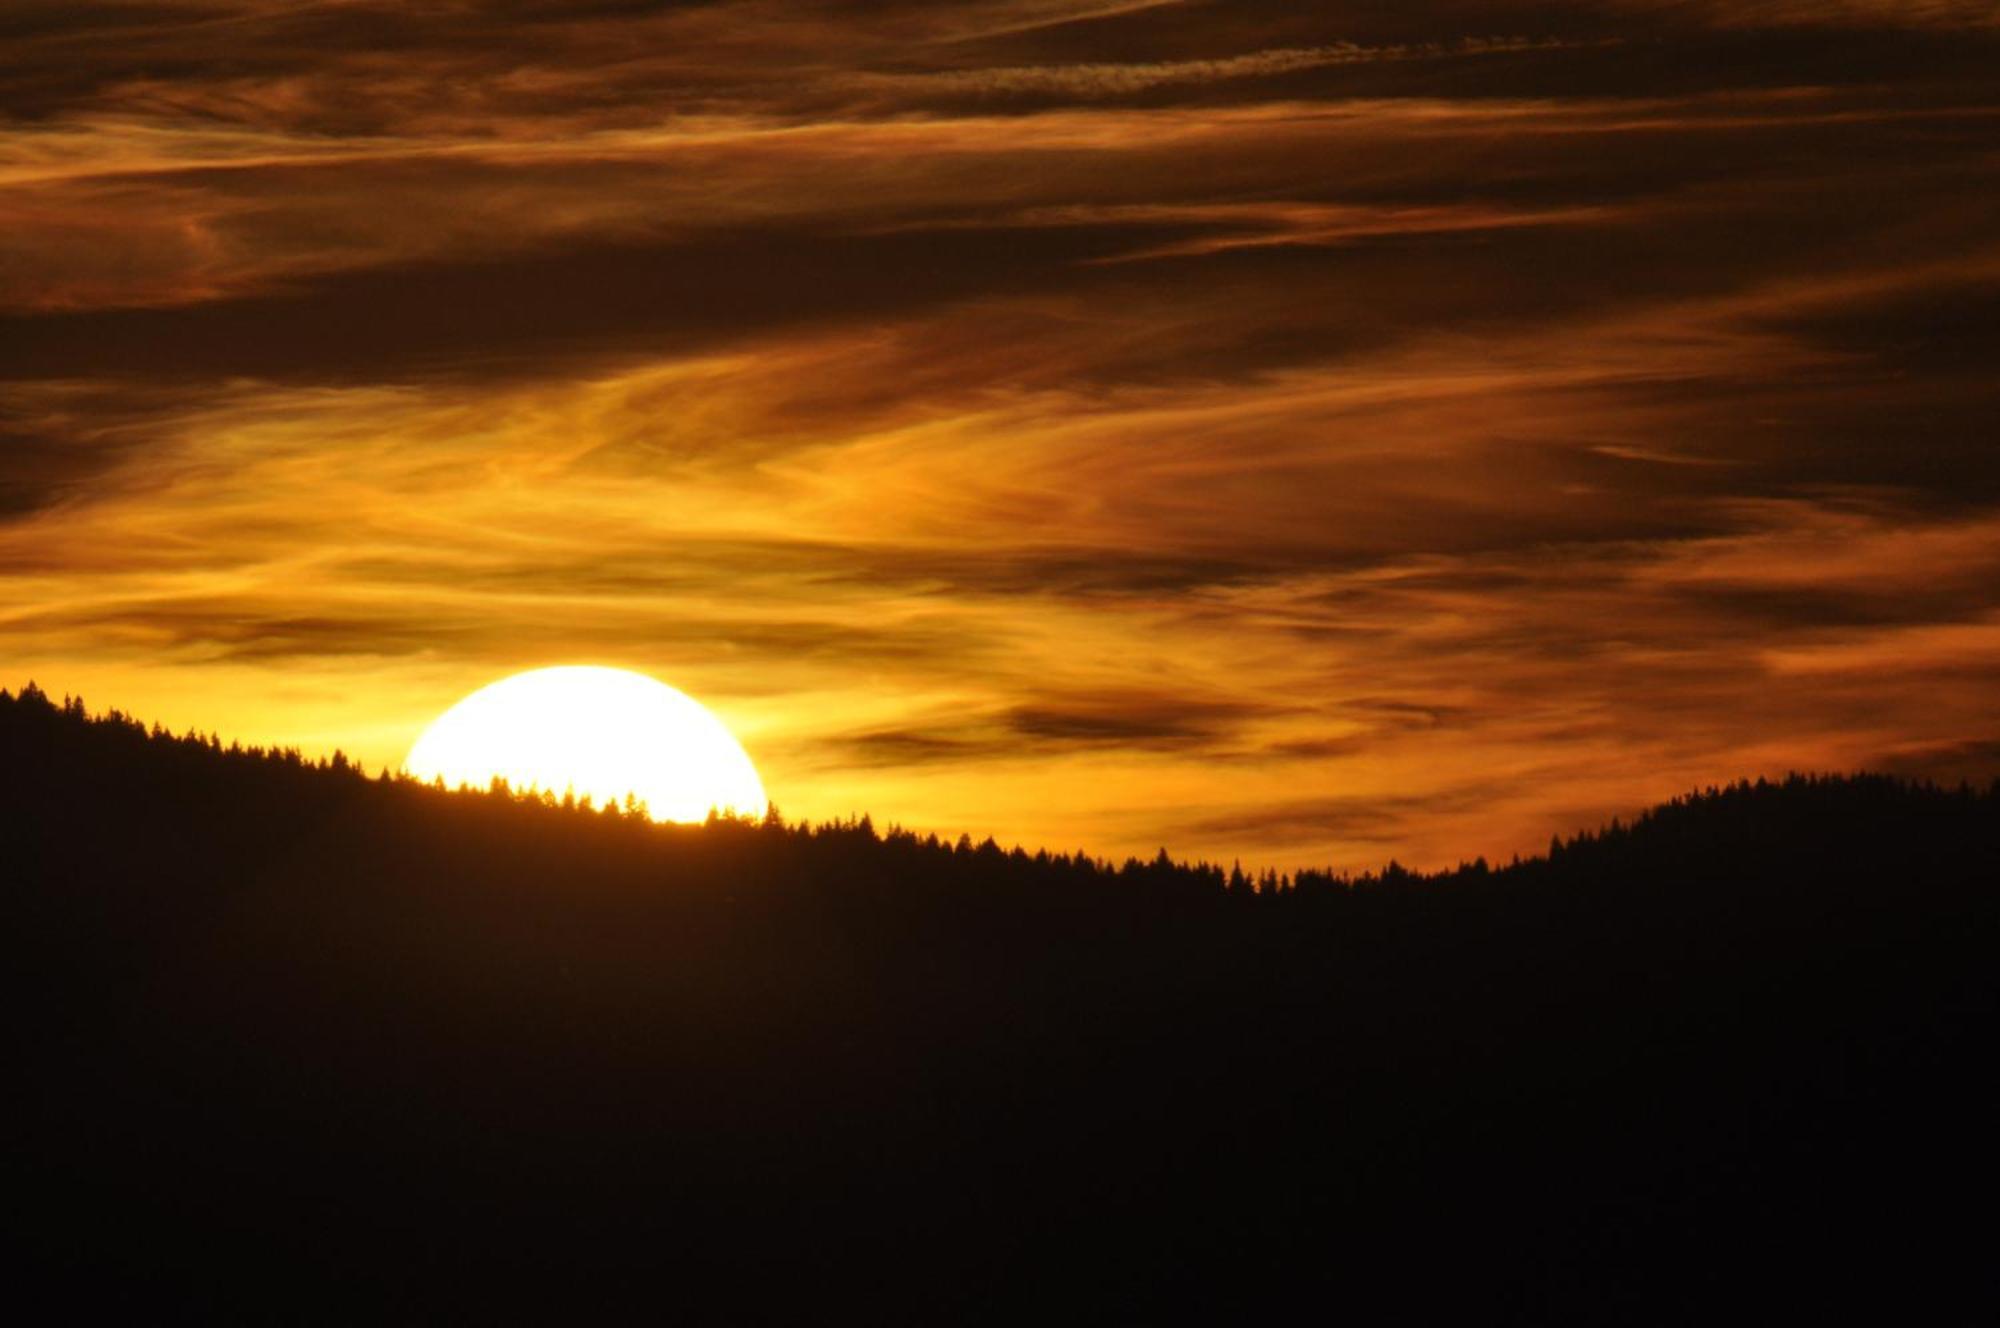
(292, 1043)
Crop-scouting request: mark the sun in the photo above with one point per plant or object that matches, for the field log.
(595, 731)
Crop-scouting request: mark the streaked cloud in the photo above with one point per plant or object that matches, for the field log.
(1112, 80)
(1297, 437)
(1944, 14)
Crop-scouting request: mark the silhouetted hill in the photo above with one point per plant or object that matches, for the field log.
(292, 1042)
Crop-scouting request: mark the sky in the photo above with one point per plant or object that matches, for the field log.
(1308, 434)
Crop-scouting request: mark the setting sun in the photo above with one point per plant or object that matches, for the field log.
(597, 732)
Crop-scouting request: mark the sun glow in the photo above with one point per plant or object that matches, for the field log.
(604, 733)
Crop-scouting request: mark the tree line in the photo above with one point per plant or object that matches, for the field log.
(395, 1050)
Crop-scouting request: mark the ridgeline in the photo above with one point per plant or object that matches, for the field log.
(295, 1042)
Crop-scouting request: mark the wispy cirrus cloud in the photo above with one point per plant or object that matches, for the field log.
(1113, 80)
(1295, 436)
(1891, 14)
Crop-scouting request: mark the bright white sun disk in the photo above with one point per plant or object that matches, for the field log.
(595, 731)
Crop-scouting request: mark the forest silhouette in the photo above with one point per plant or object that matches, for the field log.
(298, 1042)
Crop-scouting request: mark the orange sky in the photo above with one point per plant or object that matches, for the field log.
(1303, 433)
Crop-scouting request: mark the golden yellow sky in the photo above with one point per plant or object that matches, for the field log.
(1307, 437)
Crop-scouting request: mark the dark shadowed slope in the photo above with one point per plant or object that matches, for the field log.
(291, 1042)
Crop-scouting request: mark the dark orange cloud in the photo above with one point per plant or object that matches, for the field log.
(1278, 436)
